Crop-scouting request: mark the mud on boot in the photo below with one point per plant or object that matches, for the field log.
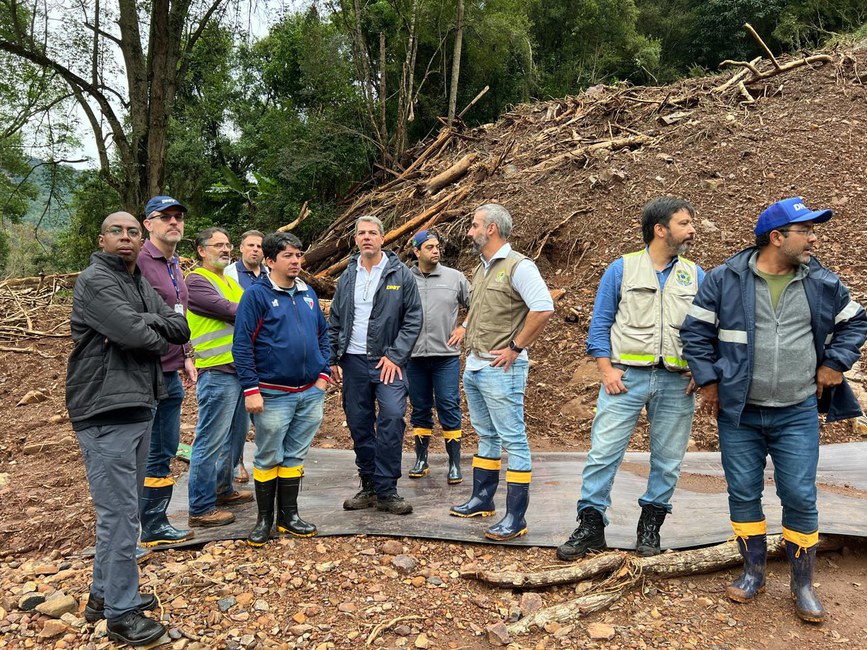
(802, 561)
(365, 498)
(754, 550)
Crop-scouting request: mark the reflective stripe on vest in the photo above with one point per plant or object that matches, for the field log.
(646, 329)
(211, 338)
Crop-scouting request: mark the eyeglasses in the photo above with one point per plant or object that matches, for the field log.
(165, 218)
(809, 232)
(220, 247)
(116, 231)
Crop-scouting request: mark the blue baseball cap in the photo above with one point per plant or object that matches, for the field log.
(421, 237)
(159, 203)
(782, 213)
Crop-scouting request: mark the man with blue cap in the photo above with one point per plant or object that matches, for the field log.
(434, 369)
(159, 264)
(768, 338)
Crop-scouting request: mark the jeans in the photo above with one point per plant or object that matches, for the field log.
(435, 378)
(495, 398)
(377, 437)
(222, 424)
(166, 430)
(790, 434)
(669, 411)
(285, 429)
(115, 457)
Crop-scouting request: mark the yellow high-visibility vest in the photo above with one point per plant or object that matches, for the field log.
(212, 338)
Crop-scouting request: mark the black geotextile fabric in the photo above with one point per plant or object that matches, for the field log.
(699, 518)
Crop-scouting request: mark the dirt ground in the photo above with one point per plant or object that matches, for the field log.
(805, 136)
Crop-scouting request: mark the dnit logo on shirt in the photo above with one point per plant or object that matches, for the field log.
(274, 303)
(309, 302)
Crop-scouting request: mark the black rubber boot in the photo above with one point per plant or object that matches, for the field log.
(288, 521)
(134, 628)
(754, 550)
(514, 524)
(453, 449)
(94, 610)
(155, 527)
(589, 536)
(485, 481)
(649, 523)
(265, 493)
(421, 467)
(366, 497)
(807, 604)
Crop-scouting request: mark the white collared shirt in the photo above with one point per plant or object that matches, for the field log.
(366, 283)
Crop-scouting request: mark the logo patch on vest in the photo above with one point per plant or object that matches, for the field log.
(683, 278)
(392, 287)
(309, 302)
(501, 277)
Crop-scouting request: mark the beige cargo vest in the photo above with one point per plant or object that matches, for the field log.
(497, 311)
(647, 325)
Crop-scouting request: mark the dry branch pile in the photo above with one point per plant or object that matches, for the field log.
(31, 308)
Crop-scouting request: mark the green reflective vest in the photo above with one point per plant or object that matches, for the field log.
(212, 338)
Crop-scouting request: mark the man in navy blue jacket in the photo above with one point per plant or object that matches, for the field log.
(375, 319)
(281, 352)
(768, 338)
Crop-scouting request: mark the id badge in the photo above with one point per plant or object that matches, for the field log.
(179, 309)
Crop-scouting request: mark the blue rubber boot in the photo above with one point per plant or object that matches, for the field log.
(754, 550)
(486, 478)
(514, 524)
(802, 561)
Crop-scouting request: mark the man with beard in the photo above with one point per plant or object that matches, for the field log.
(120, 329)
(434, 370)
(768, 339)
(509, 307)
(641, 303)
(222, 425)
(158, 261)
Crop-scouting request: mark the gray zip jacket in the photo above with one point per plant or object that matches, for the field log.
(395, 321)
(442, 292)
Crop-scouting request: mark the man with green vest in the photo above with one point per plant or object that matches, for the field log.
(509, 306)
(222, 425)
(642, 301)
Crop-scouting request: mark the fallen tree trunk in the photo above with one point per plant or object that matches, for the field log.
(450, 175)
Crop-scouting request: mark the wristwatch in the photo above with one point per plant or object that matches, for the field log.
(514, 348)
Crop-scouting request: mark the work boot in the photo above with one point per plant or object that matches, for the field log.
(486, 478)
(366, 497)
(754, 550)
(94, 610)
(649, 523)
(288, 520)
(234, 497)
(211, 519)
(422, 441)
(134, 628)
(802, 561)
(514, 524)
(589, 536)
(453, 449)
(393, 504)
(265, 492)
(155, 527)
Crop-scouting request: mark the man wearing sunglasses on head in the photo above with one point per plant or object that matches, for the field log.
(768, 338)
(158, 261)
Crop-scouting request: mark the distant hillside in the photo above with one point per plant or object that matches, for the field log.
(55, 191)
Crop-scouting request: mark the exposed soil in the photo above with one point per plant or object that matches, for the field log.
(804, 137)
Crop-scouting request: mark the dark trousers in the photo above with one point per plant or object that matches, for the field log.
(115, 457)
(435, 379)
(166, 430)
(377, 436)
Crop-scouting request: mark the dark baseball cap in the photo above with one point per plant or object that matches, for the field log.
(421, 237)
(159, 203)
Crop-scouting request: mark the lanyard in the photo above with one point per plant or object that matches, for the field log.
(169, 264)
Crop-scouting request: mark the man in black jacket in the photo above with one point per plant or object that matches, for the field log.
(120, 328)
(375, 319)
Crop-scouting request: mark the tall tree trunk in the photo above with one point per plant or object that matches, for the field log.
(456, 62)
